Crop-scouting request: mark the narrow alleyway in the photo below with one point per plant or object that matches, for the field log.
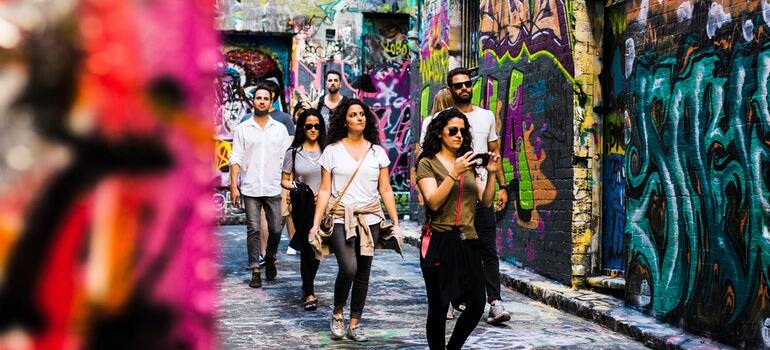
(394, 317)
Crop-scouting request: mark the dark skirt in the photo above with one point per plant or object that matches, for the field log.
(302, 211)
(458, 262)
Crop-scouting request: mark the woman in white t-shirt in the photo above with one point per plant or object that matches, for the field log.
(354, 139)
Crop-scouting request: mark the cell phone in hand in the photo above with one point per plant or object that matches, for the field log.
(481, 159)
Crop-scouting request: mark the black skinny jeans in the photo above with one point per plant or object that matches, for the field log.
(353, 271)
(485, 228)
(437, 310)
(308, 267)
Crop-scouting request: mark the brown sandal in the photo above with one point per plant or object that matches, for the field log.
(310, 305)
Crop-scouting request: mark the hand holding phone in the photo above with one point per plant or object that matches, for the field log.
(480, 159)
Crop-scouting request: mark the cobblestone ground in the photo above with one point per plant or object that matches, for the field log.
(394, 317)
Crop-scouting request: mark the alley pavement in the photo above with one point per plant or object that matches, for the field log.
(272, 317)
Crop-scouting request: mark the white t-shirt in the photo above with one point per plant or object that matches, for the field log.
(364, 188)
(482, 129)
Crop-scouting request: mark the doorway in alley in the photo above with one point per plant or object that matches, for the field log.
(384, 85)
(613, 142)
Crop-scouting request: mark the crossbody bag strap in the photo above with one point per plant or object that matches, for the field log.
(293, 162)
(350, 181)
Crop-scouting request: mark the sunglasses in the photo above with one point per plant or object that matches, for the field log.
(462, 84)
(316, 126)
(453, 130)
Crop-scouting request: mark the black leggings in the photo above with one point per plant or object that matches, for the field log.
(308, 267)
(437, 310)
(353, 271)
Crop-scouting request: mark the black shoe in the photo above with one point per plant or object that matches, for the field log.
(256, 279)
(270, 270)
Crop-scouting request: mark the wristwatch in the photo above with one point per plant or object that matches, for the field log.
(503, 187)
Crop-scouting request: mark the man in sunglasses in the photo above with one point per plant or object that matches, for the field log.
(484, 132)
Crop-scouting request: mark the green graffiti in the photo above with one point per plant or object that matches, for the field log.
(434, 68)
(526, 195)
(476, 93)
(425, 102)
(492, 98)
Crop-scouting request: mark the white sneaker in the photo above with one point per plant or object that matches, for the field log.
(291, 251)
(356, 334)
(337, 326)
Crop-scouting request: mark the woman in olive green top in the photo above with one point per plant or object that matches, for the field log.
(449, 255)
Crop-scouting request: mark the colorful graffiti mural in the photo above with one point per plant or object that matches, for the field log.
(330, 35)
(327, 35)
(248, 60)
(698, 166)
(507, 26)
(536, 143)
(434, 48)
(528, 85)
(387, 63)
(105, 215)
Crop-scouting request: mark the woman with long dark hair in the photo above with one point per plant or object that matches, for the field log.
(449, 254)
(355, 171)
(302, 176)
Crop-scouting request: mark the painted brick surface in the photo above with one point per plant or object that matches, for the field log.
(698, 210)
(296, 43)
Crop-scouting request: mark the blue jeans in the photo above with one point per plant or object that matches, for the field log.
(272, 207)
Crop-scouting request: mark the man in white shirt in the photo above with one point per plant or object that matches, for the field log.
(484, 132)
(258, 148)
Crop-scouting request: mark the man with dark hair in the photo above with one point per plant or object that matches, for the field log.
(259, 145)
(332, 98)
(283, 117)
(484, 132)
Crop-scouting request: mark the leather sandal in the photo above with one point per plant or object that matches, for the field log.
(310, 305)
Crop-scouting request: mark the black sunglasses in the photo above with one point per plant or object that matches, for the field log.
(453, 130)
(316, 126)
(462, 84)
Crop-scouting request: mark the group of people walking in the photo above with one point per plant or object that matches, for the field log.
(336, 175)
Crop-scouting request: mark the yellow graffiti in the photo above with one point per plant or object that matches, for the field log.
(223, 149)
(524, 52)
(434, 68)
(395, 48)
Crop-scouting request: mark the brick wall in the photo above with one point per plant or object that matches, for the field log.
(698, 178)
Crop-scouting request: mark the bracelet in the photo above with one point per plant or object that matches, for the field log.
(451, 177)
(503, 187)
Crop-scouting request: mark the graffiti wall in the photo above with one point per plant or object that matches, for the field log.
(698, 165)
(436, 51)
(326, 35)
(527, 83)
(387, 64)
(105, 175)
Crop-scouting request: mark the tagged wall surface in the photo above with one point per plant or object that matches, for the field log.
(326, 35)
(698, 165)
(527, 84)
